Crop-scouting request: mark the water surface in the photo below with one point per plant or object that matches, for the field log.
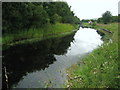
(43, 64)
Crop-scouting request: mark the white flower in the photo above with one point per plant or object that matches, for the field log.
(68, 86)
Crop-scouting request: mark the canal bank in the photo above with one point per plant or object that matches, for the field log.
(34, 35)
(43, 64)
(98, 69)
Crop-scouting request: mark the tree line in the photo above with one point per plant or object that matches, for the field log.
(18, 16)
(107, 17)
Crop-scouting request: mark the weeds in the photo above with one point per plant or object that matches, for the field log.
(40, 33)
(100, 69)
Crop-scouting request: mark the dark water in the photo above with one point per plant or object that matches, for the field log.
(43, 63)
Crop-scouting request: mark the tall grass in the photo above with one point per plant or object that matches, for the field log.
(100, 68)
(40, 33)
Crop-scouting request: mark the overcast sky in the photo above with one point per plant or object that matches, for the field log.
(89, 9)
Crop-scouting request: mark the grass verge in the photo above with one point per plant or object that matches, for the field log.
(44, 32)
(100, 68)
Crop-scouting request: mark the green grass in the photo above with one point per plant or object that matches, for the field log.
(44, 32)
(112, 27)
(0, 40)
(99, 69)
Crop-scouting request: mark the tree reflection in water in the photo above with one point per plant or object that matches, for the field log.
(22, 59)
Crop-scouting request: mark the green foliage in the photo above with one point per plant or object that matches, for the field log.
(94, 23)
(100, 68)
(107, 16)
(100, 20)
(41, 33)
(39, 17)
(83, 20)
(56, 18)
(18, 16)
(113, 19)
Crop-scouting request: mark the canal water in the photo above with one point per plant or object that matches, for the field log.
(43, 64)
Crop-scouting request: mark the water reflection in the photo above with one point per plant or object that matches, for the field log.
(43, 64)
(85, 40)
(23, 59)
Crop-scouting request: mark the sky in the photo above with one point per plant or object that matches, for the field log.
(91, 9)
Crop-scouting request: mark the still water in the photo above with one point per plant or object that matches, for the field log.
(43, 64)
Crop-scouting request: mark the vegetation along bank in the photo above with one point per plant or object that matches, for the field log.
(99, 69)
(30, 20)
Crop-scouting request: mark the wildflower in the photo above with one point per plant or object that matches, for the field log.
(103, 64)
(94, 72)
(110, 56)
(106, 62)
(68, 86)
(75, 77)
(66, 81)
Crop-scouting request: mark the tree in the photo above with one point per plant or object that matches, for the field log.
(39, 16)
(107, 16)
(55, 18)
(114, 18)
(19, 16)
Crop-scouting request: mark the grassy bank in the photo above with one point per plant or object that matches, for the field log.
(100, 68)
(44, 32)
